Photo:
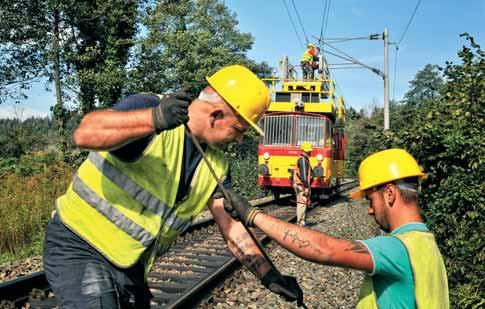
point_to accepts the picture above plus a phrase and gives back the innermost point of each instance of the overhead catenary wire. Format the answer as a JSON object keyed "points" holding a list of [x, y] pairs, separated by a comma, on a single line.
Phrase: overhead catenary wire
{"points": [[339, 40], [327, 18], [397, 48], [351, 59], [350, 67], [409, 23], [299, 19], [292, 23], [323, 17], [395, 74]]}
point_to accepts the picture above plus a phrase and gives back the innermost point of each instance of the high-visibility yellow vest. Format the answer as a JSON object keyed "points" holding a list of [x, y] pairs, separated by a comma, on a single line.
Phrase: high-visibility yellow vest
{"points": [[127, 209], [307, 56], [429, 273]]}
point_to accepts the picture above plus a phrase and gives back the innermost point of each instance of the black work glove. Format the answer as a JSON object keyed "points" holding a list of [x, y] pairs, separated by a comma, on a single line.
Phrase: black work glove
{"points": [[239, 208], [171, 112], [285, 286]]}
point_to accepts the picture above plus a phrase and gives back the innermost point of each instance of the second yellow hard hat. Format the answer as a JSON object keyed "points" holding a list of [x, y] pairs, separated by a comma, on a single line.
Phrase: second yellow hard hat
{"points": [[386, 166], [243, 91]]}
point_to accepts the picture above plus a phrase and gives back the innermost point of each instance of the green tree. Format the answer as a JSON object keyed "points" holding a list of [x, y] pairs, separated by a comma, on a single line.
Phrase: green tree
{"points": [[102, 35], [23, 41], [86, 43], [186, 41], [426, 86]]}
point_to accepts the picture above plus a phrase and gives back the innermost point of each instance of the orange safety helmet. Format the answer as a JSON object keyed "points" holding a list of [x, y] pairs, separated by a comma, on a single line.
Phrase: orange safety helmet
{"points": [[243, 91], [386, 166]]}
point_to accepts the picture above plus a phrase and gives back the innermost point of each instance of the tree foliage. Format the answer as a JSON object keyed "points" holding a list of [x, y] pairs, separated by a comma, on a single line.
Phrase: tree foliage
{"points": [[24, 40], [21, 137], [186, 41], [94, 43], [102, 33]]}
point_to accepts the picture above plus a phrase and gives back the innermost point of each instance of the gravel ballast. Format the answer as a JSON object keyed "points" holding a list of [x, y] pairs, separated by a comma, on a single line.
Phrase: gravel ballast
{"points": [[323, 286]]}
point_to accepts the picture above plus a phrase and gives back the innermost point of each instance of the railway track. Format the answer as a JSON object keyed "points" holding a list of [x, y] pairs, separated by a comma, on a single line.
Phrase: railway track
{"points": [[189, 270]]}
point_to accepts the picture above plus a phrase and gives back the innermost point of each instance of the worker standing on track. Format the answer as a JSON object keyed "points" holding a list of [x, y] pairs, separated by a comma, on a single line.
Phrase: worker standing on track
{"points": [[142, 185], [405, 268], [302, 178]]}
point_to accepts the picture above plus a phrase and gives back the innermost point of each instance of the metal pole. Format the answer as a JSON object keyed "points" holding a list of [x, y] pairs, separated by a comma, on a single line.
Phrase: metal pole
{"points": [[386, 80]]}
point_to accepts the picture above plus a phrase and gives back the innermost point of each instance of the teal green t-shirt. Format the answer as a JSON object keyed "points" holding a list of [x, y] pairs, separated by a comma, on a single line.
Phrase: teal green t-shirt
{"points": [[392, 276]]}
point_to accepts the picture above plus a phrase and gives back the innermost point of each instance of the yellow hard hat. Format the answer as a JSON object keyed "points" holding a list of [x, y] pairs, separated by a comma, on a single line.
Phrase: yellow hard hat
{"points": [[310, 45], [243, 91], [386, 166], [306, 147]]}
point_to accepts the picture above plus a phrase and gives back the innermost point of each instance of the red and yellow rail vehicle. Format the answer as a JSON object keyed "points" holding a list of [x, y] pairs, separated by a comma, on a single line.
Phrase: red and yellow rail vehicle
{"points": [[302, 111]]}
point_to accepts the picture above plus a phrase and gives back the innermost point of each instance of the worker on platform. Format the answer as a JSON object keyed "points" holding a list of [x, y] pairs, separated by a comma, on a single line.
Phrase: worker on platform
{"points": [[302, 178], [316, 61], [404, 269], [141, 186], [306, 61]]}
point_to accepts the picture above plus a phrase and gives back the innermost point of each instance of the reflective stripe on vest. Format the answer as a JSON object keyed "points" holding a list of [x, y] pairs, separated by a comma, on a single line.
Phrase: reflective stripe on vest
{"points": [[124, 208], [429, 273], [110, 212]]}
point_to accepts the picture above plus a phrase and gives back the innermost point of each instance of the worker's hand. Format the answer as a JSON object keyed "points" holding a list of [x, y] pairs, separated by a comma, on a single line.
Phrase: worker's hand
{"points": [[285, 286], [239, 208], [171, 112]]}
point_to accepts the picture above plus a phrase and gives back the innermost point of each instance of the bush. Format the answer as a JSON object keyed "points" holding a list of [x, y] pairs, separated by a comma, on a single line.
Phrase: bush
{"points": [[27, 201], [243, 159]]}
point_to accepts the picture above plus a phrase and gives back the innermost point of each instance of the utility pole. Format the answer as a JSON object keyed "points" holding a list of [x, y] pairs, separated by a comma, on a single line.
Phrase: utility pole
{"points": [[386, 79], [385, 75]]}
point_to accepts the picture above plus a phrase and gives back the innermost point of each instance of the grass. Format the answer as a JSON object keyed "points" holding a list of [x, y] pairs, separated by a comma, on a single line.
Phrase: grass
{"points": [[34, 247], [26, 203]]}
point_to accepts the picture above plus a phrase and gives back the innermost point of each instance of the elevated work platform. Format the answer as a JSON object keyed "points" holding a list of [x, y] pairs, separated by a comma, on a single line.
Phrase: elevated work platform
{"points": [[312, 96]]}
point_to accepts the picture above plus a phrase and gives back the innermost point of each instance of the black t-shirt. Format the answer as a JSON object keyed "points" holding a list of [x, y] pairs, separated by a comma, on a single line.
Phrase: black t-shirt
{"points": [[133, 150], [303, 163]]}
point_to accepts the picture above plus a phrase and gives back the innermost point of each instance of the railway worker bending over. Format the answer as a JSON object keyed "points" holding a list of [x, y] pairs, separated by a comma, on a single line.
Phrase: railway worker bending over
{"points": [[405, 268], [142, 185], [302, 178]]}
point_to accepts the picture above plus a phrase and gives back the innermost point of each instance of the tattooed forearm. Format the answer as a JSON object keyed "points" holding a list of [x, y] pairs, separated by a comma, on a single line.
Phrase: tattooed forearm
{"points": [[293, 236], [243, 249], [357, 247]]}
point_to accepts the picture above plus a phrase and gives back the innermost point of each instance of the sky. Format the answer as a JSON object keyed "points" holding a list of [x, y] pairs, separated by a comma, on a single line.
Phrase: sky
{"points": [[431, 38]]}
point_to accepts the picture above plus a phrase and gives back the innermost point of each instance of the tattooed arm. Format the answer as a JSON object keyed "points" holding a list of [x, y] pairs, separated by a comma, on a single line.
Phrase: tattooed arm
{"points": [[315, 246], [238, 240]]}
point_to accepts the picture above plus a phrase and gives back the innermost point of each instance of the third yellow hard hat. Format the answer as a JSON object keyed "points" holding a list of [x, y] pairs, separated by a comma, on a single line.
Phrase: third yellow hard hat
{"points": [[243, 91], [386, 166]]}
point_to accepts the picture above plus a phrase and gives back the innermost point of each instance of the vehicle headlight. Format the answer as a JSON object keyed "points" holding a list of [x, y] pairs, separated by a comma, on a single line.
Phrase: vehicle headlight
{"points": [[266, 156], [319, 157]]}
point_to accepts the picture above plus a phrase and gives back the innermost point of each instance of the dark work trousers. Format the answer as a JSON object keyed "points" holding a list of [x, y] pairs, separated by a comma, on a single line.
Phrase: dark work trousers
{"points": [[82, 278]]}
